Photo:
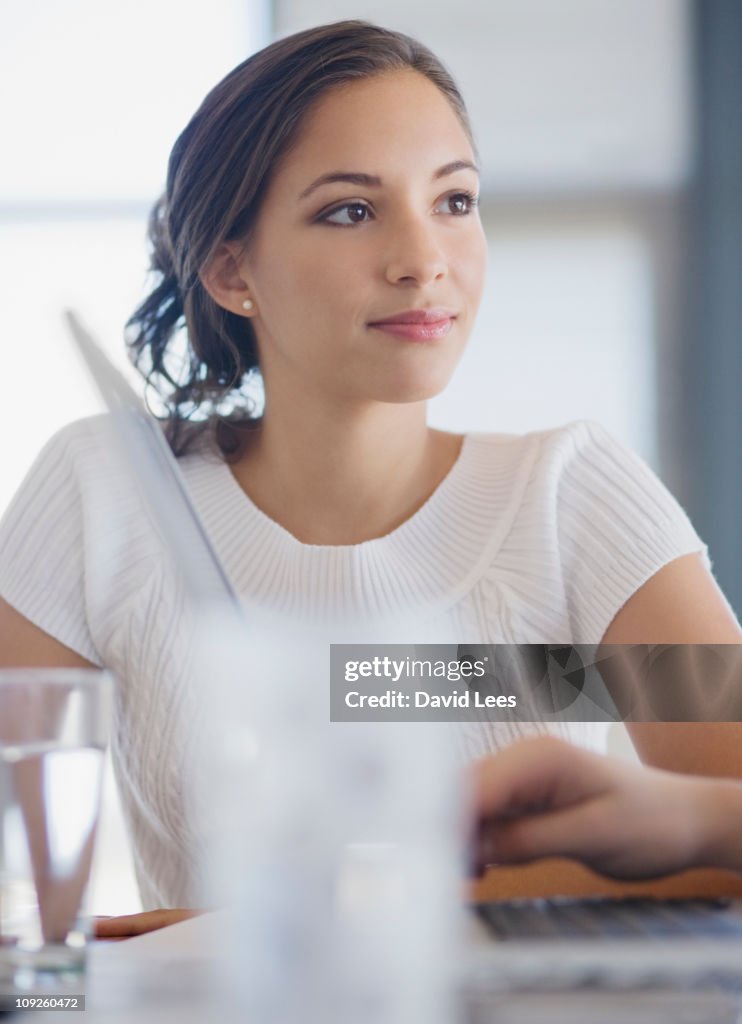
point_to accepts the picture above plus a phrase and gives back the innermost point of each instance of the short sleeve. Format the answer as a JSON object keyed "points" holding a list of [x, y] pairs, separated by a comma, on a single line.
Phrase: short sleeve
{"points": [[617, 526], [42, 558]]}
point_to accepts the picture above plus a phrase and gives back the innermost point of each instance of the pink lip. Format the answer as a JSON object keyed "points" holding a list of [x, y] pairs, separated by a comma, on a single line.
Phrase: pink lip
{"points": [[416, 332], [416, 316], [417, 324]]}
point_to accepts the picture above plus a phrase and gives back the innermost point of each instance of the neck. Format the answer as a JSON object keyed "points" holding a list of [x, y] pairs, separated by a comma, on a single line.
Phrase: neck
{"points": [[336, 477]]}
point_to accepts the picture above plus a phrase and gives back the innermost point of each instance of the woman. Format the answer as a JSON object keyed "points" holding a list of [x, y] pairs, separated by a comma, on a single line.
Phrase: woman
{"points": [[320, 223]]}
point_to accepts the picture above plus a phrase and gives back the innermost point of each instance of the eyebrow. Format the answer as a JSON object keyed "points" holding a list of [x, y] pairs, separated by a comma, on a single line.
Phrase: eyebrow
{"points": [[373, 181]]}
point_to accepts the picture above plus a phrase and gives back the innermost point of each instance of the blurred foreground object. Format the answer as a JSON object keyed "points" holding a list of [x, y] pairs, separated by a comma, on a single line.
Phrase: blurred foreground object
{"points": [[338, 847], [53, 729]]}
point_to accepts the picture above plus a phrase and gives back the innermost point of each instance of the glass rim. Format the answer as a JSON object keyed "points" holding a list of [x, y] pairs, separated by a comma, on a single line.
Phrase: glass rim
{"points": [[86, 677]]}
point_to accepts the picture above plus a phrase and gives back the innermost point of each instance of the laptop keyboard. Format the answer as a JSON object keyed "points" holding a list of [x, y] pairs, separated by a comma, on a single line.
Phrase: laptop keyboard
{"points": [[628, 918]]}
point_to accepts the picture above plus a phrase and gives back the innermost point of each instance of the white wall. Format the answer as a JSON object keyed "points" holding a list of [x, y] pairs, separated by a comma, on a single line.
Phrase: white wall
{"points": [[565, 332], [564, 94]]}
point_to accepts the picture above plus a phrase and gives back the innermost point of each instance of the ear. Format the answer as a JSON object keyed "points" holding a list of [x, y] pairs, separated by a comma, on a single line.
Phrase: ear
{"points": [[223, 277]]}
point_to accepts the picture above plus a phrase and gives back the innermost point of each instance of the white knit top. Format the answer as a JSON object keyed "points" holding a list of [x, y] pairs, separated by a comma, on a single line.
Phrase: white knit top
{"points": [[535, 538]]}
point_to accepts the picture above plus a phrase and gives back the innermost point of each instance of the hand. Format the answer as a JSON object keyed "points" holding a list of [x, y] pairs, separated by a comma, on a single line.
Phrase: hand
{"points": [[129, 925], [545, 798]]}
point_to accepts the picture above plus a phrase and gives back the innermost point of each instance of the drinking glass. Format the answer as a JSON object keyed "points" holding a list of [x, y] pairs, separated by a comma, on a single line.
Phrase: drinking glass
{"points": [[53, 731]]}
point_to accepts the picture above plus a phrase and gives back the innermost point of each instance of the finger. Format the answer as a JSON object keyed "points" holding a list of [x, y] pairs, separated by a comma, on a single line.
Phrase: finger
{"points": [[483, 856], [115, 927], [585, 832], [136, 924], [533, 774]]}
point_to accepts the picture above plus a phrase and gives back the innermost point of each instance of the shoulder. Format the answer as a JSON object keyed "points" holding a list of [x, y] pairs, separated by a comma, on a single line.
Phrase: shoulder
{"points": [[76, 449], [580, 446], [91, 444], [78, 471], [590, 494], [564, 437], [78, 445], [89, 430], [600, 483], [523, 475], [584, 522]]}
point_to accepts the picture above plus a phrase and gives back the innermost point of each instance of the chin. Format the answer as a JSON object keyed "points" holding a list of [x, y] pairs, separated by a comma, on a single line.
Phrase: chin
{"points": [[414, 388]]}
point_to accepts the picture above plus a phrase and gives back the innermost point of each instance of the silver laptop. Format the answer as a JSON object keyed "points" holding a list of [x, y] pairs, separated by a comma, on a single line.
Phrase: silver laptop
{"points": [[531, 945], [155, 471], [526, 945]]}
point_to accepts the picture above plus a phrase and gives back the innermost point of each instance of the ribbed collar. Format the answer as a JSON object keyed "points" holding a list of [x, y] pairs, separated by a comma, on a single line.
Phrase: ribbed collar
{"points": [[425, 564]]}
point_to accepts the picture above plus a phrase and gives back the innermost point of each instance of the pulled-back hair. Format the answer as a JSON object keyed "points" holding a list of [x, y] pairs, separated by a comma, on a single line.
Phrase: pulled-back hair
{"points": [[219, 171]]}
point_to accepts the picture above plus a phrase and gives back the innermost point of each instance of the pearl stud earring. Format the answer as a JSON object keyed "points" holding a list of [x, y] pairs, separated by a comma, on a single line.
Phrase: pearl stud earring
{"points": [[248, 304]]}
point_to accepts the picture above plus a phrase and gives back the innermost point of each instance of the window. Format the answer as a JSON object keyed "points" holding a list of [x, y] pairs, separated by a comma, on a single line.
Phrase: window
{"points": [[95, 97]]}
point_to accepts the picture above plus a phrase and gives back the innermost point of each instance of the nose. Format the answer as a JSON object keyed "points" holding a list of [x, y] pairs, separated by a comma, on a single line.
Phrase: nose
{"points": [[415, 255]]}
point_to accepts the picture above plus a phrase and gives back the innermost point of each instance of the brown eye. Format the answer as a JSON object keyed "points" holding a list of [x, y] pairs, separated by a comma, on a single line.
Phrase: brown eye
{"points": [[461, 203], [349, 213], [357, 212]]}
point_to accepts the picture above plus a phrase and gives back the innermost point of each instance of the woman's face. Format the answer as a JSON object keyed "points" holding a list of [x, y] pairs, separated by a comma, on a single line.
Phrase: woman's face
{"points": [[395, 231]]}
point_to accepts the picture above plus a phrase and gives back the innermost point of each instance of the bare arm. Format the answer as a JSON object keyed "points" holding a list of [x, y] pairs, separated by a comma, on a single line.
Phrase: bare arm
{"points": [[545, 798], [682, 604], [24, 645]]}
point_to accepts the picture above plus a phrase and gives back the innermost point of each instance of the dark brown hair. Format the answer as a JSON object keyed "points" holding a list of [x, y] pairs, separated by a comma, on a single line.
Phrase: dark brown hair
{"points": [[218, 173]]}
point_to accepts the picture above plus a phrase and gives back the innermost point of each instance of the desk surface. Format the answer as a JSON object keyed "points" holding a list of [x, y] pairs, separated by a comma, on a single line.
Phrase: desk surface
{"points": [[170, 976], [164, 978]]}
